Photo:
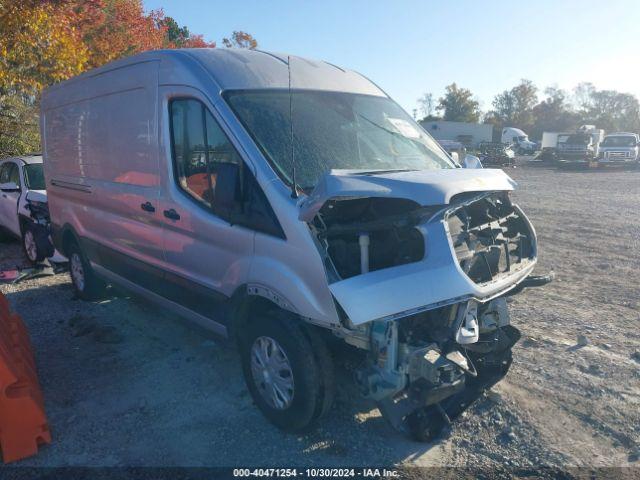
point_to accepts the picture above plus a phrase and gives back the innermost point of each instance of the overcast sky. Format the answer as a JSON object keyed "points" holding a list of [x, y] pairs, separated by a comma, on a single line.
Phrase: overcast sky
{"points": [[409, 47]]}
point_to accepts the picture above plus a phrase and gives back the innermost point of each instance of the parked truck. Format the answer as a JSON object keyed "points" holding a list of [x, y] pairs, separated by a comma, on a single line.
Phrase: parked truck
{"points": [[581, 147], [549, 146], [621, 148], [293, 206], [518, 140]]}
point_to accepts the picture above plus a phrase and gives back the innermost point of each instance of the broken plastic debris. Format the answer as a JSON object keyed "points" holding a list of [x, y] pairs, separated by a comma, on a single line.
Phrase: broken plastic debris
{"points": [[9, 275]]}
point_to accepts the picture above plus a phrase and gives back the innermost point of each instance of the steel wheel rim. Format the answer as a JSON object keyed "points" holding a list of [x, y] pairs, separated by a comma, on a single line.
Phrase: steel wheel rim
{"points": [[272, 372], [30, 246], [77, 272]]}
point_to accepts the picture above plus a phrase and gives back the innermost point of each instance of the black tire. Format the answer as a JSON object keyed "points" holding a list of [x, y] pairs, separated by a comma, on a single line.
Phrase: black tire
{"points": [[30, 245], [4, 235], [310, 364], [92, 287]]}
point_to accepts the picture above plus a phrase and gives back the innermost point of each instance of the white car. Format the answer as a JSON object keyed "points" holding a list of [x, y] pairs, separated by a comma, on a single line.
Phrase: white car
{"points": [[22, 188]]}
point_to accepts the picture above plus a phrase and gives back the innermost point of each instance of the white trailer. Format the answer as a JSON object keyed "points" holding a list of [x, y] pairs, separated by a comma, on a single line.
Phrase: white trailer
{"points": [[469, 134], [550, 139]]}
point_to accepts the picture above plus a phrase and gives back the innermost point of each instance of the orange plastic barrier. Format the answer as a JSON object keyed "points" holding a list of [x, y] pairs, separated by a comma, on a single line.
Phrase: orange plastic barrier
{"points": [[23, 423]]}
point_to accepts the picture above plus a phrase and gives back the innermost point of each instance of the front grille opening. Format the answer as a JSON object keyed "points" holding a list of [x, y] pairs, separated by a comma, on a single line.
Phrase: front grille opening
{"points": [[490, 238]]}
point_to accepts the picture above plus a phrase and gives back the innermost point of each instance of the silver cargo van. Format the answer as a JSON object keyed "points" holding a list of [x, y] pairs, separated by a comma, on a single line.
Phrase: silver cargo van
{"points": [[291, 205]]}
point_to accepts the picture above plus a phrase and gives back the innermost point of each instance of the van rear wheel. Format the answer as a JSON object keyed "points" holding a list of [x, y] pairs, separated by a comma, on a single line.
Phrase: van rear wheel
{"points": [[86, 283], [288, 371]]}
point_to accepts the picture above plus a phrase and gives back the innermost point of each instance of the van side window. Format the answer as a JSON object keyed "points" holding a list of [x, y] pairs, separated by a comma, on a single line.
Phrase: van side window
{"points": [[200, 147], [10, 173], [4, 172]]}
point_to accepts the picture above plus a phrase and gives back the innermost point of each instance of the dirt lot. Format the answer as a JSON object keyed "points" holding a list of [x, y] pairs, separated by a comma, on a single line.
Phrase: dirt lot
{"points": [[126, 384]]}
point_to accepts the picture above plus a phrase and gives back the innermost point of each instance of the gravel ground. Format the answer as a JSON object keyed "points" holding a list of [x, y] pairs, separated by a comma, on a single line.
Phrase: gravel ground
{"points": [[126, 384]]}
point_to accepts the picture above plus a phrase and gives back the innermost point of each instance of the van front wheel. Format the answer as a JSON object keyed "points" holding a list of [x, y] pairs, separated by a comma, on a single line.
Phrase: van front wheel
{"points": [[85, 282], [30, 245], [288, 371]]}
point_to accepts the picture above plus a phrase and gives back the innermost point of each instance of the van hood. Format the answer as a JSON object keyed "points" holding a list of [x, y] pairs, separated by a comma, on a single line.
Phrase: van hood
{"points": [[425, 187]]}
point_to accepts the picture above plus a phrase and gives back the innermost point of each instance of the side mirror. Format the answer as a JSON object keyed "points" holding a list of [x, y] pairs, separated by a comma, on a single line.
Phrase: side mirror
{"points": [[36, 197], [471, 161], [455, 156], [227, 197], [9, 187]]}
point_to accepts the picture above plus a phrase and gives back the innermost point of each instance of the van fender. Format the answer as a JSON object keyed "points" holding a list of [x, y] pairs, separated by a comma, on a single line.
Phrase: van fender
{"points": [[286, 288], [64, 236], [270, 294]]}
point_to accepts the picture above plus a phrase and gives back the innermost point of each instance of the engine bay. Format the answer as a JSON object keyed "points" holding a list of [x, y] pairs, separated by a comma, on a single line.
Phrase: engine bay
{"points": [[384, 226]]}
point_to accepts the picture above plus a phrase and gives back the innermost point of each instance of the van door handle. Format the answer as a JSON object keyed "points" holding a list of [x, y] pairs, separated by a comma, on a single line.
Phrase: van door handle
{"points": [[172, 214], [147, 207]]}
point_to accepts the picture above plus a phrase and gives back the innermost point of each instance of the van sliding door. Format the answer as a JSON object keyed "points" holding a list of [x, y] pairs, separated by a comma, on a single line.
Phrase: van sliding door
{"points": [[103, 148]]}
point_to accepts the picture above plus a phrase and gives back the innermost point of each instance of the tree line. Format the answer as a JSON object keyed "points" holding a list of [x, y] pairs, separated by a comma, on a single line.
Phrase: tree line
{"points": [[46, 41], [521, 107]]}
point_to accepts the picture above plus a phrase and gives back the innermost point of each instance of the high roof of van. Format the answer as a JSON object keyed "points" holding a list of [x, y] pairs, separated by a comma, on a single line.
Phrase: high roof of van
{"points": [[28, 158], [241, 69]]}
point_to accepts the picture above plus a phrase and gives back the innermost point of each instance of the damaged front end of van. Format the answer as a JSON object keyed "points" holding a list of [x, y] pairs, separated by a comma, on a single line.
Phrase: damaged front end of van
{"points": [[420, 264]]}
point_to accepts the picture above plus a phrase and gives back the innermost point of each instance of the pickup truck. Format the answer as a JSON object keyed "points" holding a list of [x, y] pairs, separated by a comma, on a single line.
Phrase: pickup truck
{"points": [[620, 148]]}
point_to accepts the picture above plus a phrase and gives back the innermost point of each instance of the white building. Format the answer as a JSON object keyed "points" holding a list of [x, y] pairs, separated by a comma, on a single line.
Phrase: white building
{"points": [[470, 134]]}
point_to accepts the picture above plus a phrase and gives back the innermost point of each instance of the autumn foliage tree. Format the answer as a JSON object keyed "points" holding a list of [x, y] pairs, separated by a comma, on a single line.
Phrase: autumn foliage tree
{"points": [[240, 40], [46, 41], [116, 28], [37, 47]]}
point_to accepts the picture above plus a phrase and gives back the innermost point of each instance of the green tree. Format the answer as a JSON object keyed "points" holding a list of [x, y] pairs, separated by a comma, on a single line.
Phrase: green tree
{"points": [[608, 109], [582, 94], [514, 107], [175, 34], [19, 131], [458, 105], [554, 113]]}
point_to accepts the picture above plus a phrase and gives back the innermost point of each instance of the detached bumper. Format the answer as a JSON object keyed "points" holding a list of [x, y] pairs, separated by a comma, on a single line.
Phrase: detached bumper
{"points": [[425, 409]]}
